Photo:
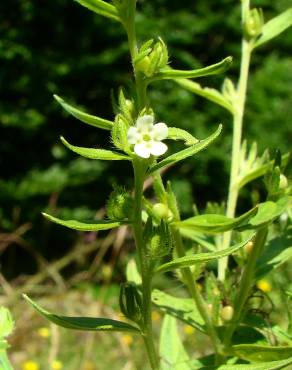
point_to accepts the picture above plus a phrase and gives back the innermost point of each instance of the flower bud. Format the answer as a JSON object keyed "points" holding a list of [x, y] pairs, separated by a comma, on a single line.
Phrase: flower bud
{"points": [[119, 205], [162, 212], [254, 23], [248, 247], [143, 65], [158, 239], [226, 313], [130, 302], [283, 182]]}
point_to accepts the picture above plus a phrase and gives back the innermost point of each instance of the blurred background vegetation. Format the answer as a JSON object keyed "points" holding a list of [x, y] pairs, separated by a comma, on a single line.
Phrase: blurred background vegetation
{"points": [[58, 47]]}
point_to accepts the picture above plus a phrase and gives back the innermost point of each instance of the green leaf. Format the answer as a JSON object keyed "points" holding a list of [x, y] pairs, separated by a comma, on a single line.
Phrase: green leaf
{"points": [[101, 8], [260, 171], [4, 361], [83, 323], [268, 212], [277, 252], [172, 353], [198, 237], [256, 353], [179, 156], [206, 92], [274, 365], [214, 223], [207, 71], [77, 225], [274, 27], [85, 117], [175, 133], [6, 323], [102, 154], [201, 257], [183, 309]]}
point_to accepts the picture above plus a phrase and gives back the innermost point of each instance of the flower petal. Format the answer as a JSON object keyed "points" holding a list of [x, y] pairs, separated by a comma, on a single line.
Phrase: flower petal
{"points": [[158, 148], [160, 131], [133, 135], [142, 150], [145, 122]]}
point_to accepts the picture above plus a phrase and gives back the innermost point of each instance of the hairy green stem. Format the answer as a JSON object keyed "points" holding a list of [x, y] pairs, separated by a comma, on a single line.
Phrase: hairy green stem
{"points": [[246, 283], [236, 148], [145, 268]]}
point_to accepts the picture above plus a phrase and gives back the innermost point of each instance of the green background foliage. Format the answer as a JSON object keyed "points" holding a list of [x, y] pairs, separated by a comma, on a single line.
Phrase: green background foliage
{"points": [[61, 48]]}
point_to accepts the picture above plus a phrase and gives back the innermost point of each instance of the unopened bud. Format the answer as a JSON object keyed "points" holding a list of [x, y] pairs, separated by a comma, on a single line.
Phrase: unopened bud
{"points": [[248, 247], [130, 302], [119, 205], [254, 23], [162, 212], [283, 183], [226, 313], [143, 65]]}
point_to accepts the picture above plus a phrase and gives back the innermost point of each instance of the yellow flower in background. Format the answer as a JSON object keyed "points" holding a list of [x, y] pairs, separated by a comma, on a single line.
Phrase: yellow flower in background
{"points": [[127, 339], [56, 365], [89, 365], [30, 365], [44, 332], [189, 330], [264, 286], [155, 316]]}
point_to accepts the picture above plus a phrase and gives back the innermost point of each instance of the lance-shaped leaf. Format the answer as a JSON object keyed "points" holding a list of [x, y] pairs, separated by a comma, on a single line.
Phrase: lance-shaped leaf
{"points": [[85, 117], [83, 323], [101, 7], [267, 213], [175, 133], [274, 27], [91, 153], [171, 349], [257, 353], [213, 69], [191, 260], [82, 226], [213, 223], [179, 156], [183, 309], [206, 92], [273, 365]]}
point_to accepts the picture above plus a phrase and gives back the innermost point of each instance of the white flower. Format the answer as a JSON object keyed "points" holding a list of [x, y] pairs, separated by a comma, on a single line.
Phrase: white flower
{"points": [[146, 137]]}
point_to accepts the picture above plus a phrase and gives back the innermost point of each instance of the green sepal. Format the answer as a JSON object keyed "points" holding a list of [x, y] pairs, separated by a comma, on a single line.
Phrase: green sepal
{"points": [[85, 117], [91, 153], [101, 8], [179, 156], [258, 353], [215, 223], [181, 308], [83, 323], [274, 27], [213, 69], [206, 92], [191, 260], [77, 225], [175, 133]]}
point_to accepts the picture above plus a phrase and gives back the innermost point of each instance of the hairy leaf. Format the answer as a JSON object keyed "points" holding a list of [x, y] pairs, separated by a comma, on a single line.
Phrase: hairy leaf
{"points": [[175, 133], [206, 92], [83, 323], [85, 117], [256, 353], [183, 309], [214, 223], [102, 154], [201, 257], [101, 8], [207, 71], [275, 26], [172, 353], [77, 225], [179, 156]]}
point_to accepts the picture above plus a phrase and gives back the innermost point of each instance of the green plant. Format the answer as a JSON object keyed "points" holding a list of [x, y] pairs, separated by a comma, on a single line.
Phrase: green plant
{"points": [[221, 312], [6, 327]]}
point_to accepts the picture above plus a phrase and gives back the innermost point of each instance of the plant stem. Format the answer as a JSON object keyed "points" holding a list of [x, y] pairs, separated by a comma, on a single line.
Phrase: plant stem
{"points": [[246, 283], [145, 268], [194, 292], [236, 148]]}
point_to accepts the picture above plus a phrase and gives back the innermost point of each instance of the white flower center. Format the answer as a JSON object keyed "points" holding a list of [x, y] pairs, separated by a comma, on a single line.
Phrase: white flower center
{"points": [[147, 136]]}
